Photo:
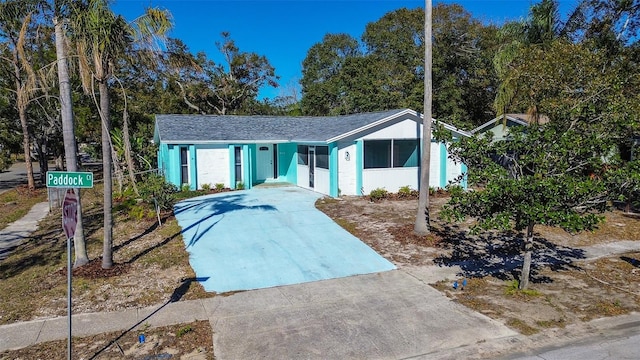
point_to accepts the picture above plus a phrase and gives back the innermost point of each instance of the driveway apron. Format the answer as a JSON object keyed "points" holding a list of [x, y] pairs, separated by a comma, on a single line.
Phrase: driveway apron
{"points": [[266, 237]]}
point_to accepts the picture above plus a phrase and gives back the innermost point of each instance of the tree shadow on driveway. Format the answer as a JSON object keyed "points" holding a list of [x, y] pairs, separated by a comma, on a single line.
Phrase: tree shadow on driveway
{"points": [[500, 254], [193, 213]]}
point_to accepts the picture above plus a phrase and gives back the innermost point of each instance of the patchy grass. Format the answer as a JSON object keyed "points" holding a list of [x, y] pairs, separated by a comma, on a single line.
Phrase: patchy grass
{"points": [[192, 341], [564, 288], [16, 203], [150, 266], [521, 327]]}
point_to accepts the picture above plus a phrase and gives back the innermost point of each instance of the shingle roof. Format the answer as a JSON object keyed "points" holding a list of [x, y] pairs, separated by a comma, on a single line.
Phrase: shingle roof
{"points": [[212, 128]]}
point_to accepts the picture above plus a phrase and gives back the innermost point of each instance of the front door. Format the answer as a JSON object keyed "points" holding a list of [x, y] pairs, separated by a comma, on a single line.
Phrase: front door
{"points": [[264, 162]]}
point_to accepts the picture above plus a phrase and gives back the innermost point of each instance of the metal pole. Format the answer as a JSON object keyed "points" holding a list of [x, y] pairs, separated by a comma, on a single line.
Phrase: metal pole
{"points": [[69, 297]]}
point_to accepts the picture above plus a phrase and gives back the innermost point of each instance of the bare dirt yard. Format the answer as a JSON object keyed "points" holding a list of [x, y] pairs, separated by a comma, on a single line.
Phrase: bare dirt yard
{"points": [[151, 267], [567, 287]]}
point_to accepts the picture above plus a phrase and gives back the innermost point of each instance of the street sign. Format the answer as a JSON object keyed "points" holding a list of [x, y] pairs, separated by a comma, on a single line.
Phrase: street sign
{"points": [[70, 213], [69, 179]]}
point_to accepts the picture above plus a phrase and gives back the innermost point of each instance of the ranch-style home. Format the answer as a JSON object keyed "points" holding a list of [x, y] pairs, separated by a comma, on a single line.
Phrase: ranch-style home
{"points": [[332, 155]]}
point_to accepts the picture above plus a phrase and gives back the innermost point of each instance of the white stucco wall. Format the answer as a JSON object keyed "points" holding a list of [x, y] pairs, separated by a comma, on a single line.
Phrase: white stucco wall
{"points": [[347, 169], [405, 129], [303, 176], [321, 183], [213, 165], [434, 169], [453, 170], [389, 179]]}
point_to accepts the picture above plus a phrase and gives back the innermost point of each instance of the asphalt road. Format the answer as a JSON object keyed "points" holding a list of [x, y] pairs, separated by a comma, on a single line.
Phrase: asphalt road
{"points": [[621, 345], [16, 176]]}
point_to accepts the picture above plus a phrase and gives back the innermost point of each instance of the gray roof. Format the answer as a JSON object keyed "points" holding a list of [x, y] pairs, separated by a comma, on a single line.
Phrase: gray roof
{"points": [[220, 128]]}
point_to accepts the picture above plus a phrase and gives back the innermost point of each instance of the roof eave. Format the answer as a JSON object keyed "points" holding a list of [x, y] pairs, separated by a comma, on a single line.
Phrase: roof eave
{"points": [[372, 125]]}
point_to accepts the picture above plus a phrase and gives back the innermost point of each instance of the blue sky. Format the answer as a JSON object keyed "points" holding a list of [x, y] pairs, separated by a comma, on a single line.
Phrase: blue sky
{"points": [[284, 30]]}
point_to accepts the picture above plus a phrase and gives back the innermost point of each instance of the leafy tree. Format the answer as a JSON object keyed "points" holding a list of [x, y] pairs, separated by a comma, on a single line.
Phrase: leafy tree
{"points": [[541, 29], [321, 69], [207, 87], [387, 71], [536, 178], [562, 173]]}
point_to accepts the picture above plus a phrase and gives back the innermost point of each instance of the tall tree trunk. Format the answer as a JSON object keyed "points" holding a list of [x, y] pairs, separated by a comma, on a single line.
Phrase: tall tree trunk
{"points": [[127, 151], [421, 226], [27, 148], [66, 112], [526, 263], [107, 165], [21, 104]]}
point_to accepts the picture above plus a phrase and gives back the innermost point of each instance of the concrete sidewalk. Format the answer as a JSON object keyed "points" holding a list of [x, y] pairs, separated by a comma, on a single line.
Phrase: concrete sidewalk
{"points": [[19, 231], [24, 334], [390, 315]]}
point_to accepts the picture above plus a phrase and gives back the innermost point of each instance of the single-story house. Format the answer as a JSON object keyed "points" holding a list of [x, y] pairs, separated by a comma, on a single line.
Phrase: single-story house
{"points": [[500, 125], [333, 155]]}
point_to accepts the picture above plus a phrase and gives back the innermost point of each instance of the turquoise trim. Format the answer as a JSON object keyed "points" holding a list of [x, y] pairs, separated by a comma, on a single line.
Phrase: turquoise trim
{"points": [[173, 165], [463, 169], [287, 161], [232, 166], [193, 168], [443, 165], [333, 170], [246, 166], [359, 166], [253, 151]]}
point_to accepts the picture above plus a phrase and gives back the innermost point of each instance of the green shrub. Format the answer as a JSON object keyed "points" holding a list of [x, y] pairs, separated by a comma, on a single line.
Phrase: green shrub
{"points": [[405, 192], [184, 330], [5, 160], [240, 185], [219, 186], [140, 211], [206, 187], [378, 194], [185, 187], [156, 188]]}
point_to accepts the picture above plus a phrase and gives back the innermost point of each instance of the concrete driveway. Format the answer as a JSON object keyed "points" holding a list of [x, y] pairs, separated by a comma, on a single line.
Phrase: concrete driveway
{"points": [[266, 237]]}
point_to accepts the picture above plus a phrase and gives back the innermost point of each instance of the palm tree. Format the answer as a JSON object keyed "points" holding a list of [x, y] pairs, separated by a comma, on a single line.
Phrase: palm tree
{"points": [[541, 28], [421, 226], [101, 40], [68, 127], [15, 21]]}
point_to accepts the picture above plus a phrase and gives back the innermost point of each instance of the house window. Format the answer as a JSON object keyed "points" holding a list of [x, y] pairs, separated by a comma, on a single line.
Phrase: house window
{"points": [[382, 154], [184, 166], [405, 153], [303, 155], [238, 162], [377, 154], [322, 157]]}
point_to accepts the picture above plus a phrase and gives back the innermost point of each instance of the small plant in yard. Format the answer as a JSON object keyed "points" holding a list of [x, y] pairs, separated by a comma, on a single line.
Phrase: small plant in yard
{"points": [[207, 187], [406, 192], [378, 194], [156, 189], [219, 186], [184, 330], [513, 289], [240, 185], [185, 187]]}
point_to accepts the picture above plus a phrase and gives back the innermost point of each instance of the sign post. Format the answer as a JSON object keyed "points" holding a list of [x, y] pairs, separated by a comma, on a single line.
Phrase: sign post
{"points": [[69, 221]]}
